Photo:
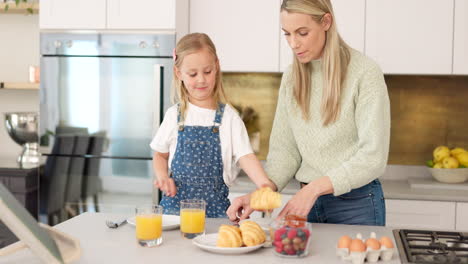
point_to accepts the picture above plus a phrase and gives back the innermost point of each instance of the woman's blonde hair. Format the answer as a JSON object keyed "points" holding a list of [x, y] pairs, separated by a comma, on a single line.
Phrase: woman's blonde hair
{"points": [[335, 60], [187, 45]]}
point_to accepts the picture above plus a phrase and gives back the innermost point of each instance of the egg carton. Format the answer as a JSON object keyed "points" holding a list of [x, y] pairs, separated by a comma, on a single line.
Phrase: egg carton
{"points": [[371, 255]]}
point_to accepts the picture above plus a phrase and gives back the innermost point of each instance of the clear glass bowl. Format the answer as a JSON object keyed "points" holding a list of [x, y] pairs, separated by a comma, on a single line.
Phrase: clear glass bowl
{"points": [[291, 238]]}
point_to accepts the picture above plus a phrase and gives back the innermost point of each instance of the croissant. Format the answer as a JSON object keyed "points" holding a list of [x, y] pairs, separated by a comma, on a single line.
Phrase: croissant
{"points": [[229, 236], [265, 199], [252, 233]]}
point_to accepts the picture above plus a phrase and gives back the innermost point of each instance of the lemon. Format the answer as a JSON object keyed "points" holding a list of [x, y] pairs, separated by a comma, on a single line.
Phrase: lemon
{"points": [[457, 151], [450, 163], [440, 153], [438, 165], [463, 158]]}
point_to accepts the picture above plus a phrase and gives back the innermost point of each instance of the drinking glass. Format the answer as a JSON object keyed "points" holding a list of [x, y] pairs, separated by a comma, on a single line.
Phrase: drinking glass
{"points": [[192, 217], [149, 225]]}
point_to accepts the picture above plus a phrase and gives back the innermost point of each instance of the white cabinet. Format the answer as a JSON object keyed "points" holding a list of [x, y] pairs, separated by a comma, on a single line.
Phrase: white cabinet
{"points": [[107, 14], [244, 32], [410, 37], [141, 14], [462, 217], [350, 20], [72, 14], [460, 36], [420, 214]]}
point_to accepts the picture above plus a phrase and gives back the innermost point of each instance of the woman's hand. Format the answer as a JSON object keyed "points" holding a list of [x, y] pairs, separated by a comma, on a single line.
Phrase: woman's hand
{"points": [[301, 204], [166, 185], [303, 201], [240, 208]]}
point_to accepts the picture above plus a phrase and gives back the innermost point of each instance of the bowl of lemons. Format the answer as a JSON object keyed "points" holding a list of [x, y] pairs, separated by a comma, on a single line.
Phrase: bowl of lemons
{"points": [[449, 165]]}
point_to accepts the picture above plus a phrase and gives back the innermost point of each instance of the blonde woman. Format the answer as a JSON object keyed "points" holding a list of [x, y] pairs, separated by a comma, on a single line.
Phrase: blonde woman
{"points": [[332, 124], [201, 139]]}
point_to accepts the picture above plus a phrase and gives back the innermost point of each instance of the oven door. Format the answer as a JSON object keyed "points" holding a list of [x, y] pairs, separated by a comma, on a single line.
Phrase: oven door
{"points": [[121, 97]]}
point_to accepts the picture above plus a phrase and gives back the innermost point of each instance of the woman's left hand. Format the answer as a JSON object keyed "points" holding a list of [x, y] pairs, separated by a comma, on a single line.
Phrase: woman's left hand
{"points": [[301, 203]]}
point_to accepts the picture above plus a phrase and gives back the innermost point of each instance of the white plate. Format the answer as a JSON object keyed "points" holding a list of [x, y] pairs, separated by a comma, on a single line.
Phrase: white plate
{"points": [[208, 243], [169, 222]]}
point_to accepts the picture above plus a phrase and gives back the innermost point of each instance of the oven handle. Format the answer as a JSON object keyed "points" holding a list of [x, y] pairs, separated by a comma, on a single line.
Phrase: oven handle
{"points": [[159, 98]]}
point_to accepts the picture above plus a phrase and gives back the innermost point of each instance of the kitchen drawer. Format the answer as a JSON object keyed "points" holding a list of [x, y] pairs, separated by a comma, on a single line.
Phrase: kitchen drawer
{"points": [[420, 214]]}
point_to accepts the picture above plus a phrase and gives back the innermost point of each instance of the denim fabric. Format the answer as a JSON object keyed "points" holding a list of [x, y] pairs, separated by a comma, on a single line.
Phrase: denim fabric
{"points": [[197, 168], [362, 206]]}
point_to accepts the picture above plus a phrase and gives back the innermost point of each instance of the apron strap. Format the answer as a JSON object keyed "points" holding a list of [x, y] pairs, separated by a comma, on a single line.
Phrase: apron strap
{"points": [[218, 117], [180, 119]]}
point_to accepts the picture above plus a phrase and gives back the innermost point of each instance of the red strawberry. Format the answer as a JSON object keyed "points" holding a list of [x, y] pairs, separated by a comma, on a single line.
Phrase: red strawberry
{"points": [[292, 233], [279, 233]]}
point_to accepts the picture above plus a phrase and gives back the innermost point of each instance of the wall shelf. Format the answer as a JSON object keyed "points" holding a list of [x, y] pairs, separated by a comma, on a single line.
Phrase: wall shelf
{"points": [[22, 8], [19, 85]]}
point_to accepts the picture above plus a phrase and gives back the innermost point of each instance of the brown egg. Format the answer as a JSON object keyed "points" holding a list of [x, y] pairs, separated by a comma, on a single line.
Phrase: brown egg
{"points": [[344, 242], [373, 243], [357, 246], [386, 241]]}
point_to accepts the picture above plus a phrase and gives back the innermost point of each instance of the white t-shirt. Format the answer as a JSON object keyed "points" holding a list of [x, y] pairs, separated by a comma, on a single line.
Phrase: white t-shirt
{"points": [[232, 133]]}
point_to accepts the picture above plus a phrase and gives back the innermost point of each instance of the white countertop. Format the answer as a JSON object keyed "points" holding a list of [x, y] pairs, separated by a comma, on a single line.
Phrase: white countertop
{"points": [[395, 184], [103, 245]]}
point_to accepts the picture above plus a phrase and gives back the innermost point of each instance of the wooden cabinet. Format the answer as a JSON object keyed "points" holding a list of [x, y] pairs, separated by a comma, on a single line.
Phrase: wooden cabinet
{"points": [[107, 14], [71, 14], [410, 37], [24, 185], [460, 38], [141, 14], [244, 32], [462, 217], [350, 20], [420, 214]]}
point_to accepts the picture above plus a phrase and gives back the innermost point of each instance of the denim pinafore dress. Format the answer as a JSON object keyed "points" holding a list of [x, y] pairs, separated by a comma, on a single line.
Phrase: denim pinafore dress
{"points": [[197, 168]]}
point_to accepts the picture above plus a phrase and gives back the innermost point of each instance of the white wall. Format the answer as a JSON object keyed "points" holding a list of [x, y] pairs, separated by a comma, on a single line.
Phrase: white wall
{"points": [[19, 48]]}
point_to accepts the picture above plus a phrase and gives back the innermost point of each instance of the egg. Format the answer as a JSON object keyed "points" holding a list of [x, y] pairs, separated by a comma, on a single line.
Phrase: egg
{"points": [[344, 242], [373, 243], [357, 246], [386, 241]]}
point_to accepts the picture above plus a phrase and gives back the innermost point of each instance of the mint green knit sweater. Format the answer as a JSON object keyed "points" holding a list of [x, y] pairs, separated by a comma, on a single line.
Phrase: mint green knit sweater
{"points": [[353, 151]]}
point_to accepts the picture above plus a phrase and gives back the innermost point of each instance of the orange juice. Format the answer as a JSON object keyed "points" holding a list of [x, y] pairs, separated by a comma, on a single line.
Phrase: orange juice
{"points": [[148, 226], [192, 221]]}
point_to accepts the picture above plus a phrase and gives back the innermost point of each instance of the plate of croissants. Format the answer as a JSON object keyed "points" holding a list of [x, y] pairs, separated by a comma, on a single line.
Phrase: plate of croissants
{"points": [[233, 240]]}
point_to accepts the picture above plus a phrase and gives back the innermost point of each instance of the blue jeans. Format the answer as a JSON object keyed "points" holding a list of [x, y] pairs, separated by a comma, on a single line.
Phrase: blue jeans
{"points": [[362, 206]]}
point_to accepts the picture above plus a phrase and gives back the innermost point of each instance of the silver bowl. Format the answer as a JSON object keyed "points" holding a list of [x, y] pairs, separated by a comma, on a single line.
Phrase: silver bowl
{"points": [[23, 129]]}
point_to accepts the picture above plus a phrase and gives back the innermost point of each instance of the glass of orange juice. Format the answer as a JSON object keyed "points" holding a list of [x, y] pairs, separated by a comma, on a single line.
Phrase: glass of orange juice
{"points": [[192, 217], [149, 225]]}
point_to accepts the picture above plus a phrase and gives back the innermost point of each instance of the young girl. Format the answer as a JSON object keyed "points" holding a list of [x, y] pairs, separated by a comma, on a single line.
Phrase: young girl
{"points": [[202, 138]]}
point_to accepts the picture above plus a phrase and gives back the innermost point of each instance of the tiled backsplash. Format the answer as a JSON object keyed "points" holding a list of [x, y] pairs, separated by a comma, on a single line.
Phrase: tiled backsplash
{"points": [[427, 111]]}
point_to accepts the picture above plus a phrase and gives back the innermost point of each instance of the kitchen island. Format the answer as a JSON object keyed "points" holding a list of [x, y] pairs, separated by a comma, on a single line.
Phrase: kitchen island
{"points": [[100, 244]]}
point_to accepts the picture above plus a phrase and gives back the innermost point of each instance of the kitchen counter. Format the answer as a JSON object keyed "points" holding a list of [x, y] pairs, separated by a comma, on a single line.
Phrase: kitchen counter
{"points": [[395, 183], [103, 245], [401, 189]]}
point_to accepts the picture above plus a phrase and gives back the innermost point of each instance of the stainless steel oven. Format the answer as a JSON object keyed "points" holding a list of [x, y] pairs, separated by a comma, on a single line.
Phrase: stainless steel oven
{"points": [[114, 84]]}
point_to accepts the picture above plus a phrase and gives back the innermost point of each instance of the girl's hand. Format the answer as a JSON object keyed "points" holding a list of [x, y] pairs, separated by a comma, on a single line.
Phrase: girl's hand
{"points": [[166, 185], [240, 208], [301, 204]]}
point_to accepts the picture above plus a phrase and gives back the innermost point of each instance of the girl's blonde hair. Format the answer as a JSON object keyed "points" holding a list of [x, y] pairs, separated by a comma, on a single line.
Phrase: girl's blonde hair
{"points": [[187, 45], [335, 60]]}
